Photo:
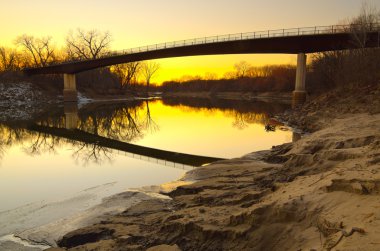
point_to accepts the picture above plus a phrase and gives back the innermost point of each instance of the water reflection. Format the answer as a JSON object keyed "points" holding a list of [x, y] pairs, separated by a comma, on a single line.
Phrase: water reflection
{"points": [[63, 150], [93, 146], [98, 128], [71, 115]]}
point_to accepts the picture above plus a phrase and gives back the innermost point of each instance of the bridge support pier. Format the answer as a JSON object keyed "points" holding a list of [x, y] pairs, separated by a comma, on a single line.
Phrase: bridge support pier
{"points": [[69, 88], [299, 94], [71, 115]]}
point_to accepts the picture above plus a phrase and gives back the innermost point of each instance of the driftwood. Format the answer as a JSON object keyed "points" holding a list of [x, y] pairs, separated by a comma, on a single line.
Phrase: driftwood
{"points": [[330, 231]]}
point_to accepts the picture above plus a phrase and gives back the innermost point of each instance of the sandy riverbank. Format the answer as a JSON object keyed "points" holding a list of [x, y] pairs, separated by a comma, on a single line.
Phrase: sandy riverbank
{"points": [[319, 193]]}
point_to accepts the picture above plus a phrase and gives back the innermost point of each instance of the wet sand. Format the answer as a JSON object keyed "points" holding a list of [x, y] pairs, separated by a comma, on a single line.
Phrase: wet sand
{"points": [[38, 226]]}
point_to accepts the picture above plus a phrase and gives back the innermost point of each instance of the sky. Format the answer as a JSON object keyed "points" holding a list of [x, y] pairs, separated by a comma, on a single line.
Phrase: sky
{"points": [[134, 23]]}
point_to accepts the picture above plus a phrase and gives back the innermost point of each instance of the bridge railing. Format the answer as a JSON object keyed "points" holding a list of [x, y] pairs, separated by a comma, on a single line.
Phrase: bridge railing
{"points": [[253, 35], [315, 30]]}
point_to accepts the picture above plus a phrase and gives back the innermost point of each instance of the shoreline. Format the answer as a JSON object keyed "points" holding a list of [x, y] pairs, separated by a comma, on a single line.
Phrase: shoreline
{"points": [[252, 196], [317, 193], [66, 215]]}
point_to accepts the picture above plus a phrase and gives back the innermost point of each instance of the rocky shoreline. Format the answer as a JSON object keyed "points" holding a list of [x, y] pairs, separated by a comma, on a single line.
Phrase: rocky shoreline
{"points": [[319, 193]]}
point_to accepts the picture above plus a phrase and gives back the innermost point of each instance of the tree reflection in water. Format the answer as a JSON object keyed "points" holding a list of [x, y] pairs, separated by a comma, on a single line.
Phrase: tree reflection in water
{"points": [[149, 124], [10, 135], [85, 153], [244, 112], [114, 121], [126, 122], [243, 120], [123, 122]]}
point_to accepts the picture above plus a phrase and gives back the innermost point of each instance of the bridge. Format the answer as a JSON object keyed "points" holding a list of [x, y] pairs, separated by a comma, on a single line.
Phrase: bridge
{"points": [[298, 41]]}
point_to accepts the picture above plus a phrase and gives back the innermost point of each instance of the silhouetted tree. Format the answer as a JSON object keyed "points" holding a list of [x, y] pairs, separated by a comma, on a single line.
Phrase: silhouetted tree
{"points": [[242, 69], [210, 76], [87, 44], [126, 73], [267, 78], [9, 59], [148, 70], [229, 75], [39, 49]]}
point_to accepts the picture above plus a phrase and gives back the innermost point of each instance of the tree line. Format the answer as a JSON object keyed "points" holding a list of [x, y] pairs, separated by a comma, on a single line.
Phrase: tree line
{"points": [[244, 78]]}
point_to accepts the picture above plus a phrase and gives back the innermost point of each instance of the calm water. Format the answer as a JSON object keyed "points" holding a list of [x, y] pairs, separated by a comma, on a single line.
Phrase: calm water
{"points": [[67, 150]]}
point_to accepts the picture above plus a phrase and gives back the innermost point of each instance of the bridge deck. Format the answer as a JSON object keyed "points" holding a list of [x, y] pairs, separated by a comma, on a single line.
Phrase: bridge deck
{"points": [[290, 41]]}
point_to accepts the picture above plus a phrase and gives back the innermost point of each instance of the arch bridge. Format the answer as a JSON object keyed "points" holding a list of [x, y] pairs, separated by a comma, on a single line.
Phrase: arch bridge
{"points": [[298, 41]]}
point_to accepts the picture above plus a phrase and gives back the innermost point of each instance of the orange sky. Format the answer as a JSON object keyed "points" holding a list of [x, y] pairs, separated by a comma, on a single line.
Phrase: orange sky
{"points": [[135, 23]]}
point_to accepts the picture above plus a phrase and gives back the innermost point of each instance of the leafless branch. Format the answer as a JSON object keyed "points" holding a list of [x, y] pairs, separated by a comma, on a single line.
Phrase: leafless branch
{"points": [[87, 44]]}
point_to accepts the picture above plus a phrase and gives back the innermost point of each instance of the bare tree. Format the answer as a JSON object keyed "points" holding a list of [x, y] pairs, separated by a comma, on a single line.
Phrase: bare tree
{"points": [[351, 68], [188, 78], [363, 64], [210, 76], [362, 24], [148, 70], [229, 75], [40, 49], [126, 73], [9, 59], [241, 69], [87, 44], [254, 72]]}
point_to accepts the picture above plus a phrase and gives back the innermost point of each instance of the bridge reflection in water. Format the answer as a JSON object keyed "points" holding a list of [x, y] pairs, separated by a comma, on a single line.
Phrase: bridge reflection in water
{"points": [[71, 115], [141, 152], [167, 158], [71, 132], [223, 128]]}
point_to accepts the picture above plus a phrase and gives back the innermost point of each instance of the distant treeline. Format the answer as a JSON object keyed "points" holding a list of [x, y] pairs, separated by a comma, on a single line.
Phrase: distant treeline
{"points": [[245, 78]]}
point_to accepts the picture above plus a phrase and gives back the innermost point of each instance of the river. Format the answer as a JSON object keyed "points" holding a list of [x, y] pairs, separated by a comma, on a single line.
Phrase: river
{"points": [[66, 159]]}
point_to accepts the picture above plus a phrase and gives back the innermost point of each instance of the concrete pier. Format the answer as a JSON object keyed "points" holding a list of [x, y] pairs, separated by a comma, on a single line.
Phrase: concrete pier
{"points": [[71, 115], [299, 94], [69, 88]]}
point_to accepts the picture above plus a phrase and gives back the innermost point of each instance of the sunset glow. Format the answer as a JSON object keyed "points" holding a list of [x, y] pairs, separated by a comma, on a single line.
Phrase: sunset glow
{"points": [[139, 23]]}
